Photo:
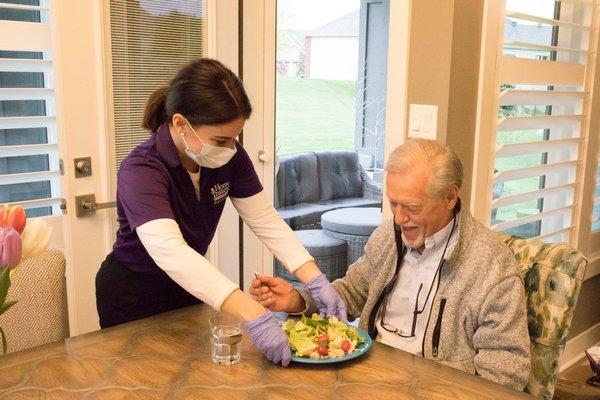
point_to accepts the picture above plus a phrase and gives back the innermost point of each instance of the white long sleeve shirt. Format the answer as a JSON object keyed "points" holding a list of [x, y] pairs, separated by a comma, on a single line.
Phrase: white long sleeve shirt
{"points": [[416, 269], [164, 242]]}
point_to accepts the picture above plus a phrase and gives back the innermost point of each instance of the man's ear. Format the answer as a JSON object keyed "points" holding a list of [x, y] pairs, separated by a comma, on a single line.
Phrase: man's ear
{"points": [[452, 197]]}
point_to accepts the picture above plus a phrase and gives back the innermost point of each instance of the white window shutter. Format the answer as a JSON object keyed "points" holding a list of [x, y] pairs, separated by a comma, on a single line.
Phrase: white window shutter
{"points": [[29, 161], [543, 72]]}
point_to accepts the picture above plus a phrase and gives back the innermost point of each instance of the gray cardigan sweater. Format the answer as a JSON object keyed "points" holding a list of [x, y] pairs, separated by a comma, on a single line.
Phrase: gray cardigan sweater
{"points": [[478, 320]]}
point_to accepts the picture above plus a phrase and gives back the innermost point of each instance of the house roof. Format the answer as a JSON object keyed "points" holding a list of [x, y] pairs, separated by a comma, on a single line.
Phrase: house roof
{"points": [[345, 26]]}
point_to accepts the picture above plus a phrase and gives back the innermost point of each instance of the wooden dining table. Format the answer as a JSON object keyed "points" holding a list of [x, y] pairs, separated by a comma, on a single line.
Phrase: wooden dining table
{"points": [[168, 356]]}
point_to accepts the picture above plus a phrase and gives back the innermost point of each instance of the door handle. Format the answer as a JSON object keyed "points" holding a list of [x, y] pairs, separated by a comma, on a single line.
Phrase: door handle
{"points": [[86, 205]]}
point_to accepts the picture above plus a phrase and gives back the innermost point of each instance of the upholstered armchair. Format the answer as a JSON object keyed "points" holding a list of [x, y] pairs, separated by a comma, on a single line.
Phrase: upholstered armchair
{"points": [[553, 274], [40, 315]]}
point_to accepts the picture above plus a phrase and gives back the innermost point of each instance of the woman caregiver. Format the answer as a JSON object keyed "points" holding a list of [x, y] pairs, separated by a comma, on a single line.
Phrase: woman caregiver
{"points": [[171, 192]]}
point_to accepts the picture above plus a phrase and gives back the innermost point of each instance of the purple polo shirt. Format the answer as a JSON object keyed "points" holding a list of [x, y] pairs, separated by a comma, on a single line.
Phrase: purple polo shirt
{"points": [[152, 184]]}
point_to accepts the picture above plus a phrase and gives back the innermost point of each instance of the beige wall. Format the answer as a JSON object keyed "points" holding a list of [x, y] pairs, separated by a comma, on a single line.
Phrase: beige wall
{"points": [[429, 58], [587, 312], [444, 71], [464, 76]]}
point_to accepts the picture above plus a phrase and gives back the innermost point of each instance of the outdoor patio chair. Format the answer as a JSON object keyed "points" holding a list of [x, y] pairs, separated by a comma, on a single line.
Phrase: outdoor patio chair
{"points": [[312, 183]]}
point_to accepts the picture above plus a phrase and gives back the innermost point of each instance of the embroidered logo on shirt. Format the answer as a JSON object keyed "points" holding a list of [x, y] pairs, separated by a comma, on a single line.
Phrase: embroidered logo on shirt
{"points": [[219, 192]]}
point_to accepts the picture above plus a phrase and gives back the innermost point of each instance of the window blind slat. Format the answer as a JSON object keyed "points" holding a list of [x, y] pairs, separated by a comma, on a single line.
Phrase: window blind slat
{"points": [[531, 218], [148, 47], [586, 2], [13, 6], [536, 46], [520, 173], [28, 177], [26, 122], [533, 195], [25, 36], [26, 94], [541, 72], [52, 201], [538, 122], [519, 149], [28, 150], [513, 97], [21, 65], [545, 21], [555, 233]]}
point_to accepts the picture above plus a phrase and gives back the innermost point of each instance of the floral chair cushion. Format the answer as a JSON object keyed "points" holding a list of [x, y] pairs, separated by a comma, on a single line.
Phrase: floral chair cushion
{"points": [[553, 274]]}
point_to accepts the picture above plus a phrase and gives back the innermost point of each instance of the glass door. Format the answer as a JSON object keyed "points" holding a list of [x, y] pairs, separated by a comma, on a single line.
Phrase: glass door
{"points": [[330, 103]]}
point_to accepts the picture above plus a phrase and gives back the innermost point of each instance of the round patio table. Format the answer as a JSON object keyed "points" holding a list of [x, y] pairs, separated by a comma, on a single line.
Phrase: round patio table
{"points": [[354, 225]]}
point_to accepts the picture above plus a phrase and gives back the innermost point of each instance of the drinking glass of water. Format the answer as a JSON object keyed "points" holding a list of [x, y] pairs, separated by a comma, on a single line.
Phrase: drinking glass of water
{"points": [[225, 339]]}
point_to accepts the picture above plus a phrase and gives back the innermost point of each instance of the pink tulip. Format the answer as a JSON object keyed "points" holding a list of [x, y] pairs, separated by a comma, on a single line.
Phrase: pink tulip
{"points": [[10, 248], [13, 217]]}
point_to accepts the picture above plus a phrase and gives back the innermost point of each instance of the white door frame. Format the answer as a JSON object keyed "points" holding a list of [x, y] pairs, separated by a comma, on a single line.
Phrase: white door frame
{"points": [[81, 116], [222, 44], [259, 33]]}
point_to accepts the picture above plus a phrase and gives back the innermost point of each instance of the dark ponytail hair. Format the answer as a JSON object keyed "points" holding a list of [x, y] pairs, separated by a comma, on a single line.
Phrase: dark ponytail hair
{"points": [[154, 113], [204, 91]]}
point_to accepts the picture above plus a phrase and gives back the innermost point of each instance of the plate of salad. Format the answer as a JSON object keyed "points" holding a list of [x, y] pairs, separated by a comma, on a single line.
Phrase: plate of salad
{"points": [[318, 340]]}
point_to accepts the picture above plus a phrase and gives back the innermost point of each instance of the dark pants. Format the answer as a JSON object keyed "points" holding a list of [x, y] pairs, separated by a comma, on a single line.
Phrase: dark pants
{"points": [[123, 295]]}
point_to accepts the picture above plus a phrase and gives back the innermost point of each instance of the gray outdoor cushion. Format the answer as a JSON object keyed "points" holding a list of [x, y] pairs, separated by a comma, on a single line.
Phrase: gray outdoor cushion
{"points": [[309, 214], [319, 244], [303, 214], [351, 202], [297, 179], [352, 221], [339, 174]]}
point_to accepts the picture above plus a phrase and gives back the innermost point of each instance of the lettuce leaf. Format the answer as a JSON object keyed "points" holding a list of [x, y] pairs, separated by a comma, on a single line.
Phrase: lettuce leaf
{"points": [[302, 343]]}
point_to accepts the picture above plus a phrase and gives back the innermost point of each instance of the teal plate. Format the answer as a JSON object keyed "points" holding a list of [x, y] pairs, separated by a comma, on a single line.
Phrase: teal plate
{"points": [[359, 351]]}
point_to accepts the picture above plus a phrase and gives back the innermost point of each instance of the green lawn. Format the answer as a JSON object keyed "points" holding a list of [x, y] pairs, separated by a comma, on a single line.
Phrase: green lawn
{"points": [[314, 114]]}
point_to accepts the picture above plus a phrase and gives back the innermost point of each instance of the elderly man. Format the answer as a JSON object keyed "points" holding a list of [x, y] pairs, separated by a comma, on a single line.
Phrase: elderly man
{"points": [[433, 281]]}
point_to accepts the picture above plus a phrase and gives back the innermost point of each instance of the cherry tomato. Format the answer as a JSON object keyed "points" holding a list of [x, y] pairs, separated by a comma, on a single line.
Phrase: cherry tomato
{"points": [[323, 339], [323, 351], [345, 346]]}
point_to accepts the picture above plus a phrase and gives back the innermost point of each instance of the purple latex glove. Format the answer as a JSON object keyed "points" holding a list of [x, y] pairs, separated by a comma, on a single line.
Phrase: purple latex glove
{"points": [[270, 339], [329, 302]]}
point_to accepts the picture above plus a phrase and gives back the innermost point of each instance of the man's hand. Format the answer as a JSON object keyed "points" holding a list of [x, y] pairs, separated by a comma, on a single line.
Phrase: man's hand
{"points": [[329, 302], [276, 294]]}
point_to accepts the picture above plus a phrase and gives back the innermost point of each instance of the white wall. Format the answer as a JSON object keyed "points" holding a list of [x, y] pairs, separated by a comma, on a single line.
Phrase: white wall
{"points": [[334, 58]]}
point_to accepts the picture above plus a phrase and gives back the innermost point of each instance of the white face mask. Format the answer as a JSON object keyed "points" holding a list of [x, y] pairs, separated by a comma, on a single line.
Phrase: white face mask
{"points": [[210, 156]]}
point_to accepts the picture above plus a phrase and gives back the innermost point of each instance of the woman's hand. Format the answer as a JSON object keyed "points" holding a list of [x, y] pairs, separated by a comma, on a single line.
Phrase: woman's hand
{"points": [[276, 294], [270, 339], [265, 332]]}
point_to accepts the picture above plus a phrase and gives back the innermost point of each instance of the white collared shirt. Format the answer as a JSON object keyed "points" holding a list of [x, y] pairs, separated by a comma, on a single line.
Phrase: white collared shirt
{"points": [[416, 269]]}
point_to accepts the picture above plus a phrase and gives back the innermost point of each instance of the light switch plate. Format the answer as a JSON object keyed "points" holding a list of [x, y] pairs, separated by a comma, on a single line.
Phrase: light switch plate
{"points": [[422, 122]]}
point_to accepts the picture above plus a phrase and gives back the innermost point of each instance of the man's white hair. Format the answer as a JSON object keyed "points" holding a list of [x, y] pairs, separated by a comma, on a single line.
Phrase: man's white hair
{"points": [[446, 168]]}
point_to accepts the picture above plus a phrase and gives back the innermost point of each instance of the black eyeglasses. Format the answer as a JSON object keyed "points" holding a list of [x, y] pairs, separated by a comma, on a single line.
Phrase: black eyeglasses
{"points": [[416, 312]]}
